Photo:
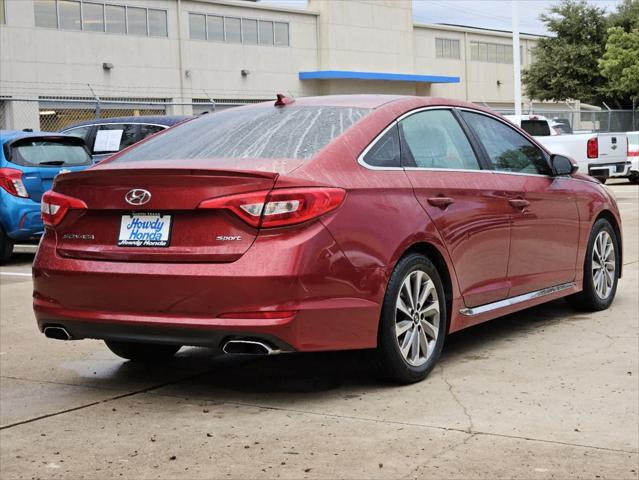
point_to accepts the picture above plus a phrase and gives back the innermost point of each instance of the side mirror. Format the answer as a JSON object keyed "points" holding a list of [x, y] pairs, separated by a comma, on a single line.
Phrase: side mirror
{"points": [[562, 165]]}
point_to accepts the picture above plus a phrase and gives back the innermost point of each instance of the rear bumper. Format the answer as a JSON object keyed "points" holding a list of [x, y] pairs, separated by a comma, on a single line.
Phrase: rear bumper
{"points": [[21, 218], [609, 170], [337, 306]]}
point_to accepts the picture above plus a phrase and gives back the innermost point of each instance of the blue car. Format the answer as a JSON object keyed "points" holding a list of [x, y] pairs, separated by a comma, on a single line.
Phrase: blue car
{"points": [[29, 161]]}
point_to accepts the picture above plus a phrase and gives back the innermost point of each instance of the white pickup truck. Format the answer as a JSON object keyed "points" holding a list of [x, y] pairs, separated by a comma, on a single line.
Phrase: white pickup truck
{"points": [[601, 155]]}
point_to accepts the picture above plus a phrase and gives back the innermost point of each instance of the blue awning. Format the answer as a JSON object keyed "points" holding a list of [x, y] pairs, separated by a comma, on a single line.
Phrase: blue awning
{"points": [[391, 77]]}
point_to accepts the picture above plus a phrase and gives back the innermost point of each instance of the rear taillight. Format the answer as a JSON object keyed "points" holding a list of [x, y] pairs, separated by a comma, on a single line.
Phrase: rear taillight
{"points": [[55, 206], [633, 151], [279, 208], [11, 181], [592, 148]]}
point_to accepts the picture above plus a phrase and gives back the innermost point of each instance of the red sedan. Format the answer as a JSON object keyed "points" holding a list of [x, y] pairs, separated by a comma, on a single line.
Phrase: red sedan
{"points": [[327, 223]]}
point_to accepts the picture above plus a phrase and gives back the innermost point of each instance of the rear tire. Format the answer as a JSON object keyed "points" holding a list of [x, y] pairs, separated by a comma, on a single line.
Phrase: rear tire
{"points": [[601, 269], [413, 322], [6, 246], [634, 178], [143, 352]]}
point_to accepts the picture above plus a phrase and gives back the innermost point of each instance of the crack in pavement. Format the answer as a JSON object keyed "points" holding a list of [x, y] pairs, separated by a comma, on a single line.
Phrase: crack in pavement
{"points": [[471, 426]]}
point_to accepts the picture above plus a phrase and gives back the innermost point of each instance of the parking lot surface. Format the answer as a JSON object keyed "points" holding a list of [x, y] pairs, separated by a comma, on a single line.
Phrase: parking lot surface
{"points": [[544, 393]]}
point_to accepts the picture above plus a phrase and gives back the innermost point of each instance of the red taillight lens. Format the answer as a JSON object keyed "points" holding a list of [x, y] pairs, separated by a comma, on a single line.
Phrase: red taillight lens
{"points": [[55, 206], [11, 181], [282, 207], [592, 148]]}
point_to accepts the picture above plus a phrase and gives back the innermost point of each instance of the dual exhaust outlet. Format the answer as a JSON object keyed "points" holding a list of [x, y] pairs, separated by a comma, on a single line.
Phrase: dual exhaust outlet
{"points": [[237, 347]]}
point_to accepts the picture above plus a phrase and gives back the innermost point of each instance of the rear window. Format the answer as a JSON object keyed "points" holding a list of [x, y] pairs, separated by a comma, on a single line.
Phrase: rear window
{"points": [[49, 153], [536, 128], [256, 132]]}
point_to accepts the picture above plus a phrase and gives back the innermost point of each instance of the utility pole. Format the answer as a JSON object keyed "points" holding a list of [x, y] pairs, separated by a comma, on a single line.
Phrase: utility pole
{"points": [[516, 59]]}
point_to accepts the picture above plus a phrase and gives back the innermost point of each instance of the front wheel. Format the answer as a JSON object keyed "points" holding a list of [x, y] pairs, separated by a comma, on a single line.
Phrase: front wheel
{"points": [[143, 352], [601, 269], [413, 322]]}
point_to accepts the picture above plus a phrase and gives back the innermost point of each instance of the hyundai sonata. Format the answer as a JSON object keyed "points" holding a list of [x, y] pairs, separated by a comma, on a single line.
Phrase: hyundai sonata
{"points": [[327, 223]]}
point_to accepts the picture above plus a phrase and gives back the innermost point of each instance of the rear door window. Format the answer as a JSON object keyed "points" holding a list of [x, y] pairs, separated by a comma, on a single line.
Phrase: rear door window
{"points": [[39, 152], [80, 132], [508, 150], [435, 139], [536, 128], [385, 152], [114, 137], [148, 130]]}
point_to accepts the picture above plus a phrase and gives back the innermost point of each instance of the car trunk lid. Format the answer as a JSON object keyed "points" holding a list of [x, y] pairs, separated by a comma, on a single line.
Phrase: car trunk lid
{"points": [[122, 224]]}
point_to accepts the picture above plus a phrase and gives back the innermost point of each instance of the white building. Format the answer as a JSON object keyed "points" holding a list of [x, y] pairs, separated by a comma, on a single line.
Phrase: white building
{"points": [[235, 51]]}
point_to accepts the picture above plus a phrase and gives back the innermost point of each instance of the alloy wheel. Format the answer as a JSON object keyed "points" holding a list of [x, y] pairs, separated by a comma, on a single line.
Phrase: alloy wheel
{"points": [[417, 318], [603, 264]]}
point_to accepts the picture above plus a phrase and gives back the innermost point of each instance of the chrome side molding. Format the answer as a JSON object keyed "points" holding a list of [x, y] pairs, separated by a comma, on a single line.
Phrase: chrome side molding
{"points": [[507, 302]]}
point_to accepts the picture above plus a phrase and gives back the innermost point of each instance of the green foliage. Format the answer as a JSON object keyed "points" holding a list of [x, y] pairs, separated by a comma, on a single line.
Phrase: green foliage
{"points": [[620, 65], [626, 16], [566, 65]]}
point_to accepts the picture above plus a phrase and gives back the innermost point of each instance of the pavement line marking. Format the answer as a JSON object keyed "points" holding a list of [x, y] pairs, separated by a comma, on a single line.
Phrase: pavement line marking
{"points": [[15, 274]]}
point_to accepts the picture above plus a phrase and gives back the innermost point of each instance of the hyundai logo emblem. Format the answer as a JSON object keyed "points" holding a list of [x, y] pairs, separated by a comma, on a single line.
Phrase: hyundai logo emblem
{"points": [[137, 196]]}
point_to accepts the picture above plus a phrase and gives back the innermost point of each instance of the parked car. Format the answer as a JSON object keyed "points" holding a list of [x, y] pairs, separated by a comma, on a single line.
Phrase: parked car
{"points": [[601, 155], [633, 156], [326, 223], [29, 161], [106, 136]]}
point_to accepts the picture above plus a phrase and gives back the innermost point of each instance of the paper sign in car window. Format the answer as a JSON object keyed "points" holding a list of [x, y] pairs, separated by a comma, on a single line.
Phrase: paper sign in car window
{"points": [[107, 140]]}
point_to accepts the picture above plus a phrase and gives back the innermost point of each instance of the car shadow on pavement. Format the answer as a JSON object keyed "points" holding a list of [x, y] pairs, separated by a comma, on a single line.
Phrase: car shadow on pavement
{"points": [[314, 373]]}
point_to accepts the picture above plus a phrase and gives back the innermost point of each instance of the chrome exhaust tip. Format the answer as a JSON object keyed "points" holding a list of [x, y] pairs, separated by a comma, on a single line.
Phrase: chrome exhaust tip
{"points": [[57, 333], [249, 347]]}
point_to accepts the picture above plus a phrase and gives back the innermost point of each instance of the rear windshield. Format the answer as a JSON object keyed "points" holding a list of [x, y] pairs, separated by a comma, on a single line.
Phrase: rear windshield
{"points": [[49, 153], [536, 128], [256, 132]]}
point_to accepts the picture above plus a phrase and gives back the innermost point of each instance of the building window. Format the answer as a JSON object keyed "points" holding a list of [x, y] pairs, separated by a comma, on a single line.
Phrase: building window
{"points": [[45, 13], [3, 15], [115, 19], [97, 16], [158, 23], [93, 17], [197, 26], [233, 29], [447, 48], [280, 33], [248, 31], [136, 21], [492, 52], [214, 28]]}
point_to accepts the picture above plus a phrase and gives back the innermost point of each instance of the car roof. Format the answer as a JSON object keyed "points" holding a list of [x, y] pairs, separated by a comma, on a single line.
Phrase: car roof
{"points": [[167, 120], [8, 135]]}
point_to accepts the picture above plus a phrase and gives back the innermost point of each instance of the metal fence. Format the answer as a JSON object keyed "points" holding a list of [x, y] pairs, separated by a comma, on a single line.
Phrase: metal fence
{"points": [[52, 114], [55, 113], [589, 120]]}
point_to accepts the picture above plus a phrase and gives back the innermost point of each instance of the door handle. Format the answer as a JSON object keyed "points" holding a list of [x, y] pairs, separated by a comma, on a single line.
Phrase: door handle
{"points": [[519, 203], [441, 202]]}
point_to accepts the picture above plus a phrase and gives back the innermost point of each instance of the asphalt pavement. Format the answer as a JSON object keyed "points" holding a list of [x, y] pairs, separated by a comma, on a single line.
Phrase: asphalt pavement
{"points": [[544, 393]]}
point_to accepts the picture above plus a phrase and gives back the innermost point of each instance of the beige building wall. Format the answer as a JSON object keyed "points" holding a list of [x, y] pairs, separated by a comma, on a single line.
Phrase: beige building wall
{"points": [[351, 35]]}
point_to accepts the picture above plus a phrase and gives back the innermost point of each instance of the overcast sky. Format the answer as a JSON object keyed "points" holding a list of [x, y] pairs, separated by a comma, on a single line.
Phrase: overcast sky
{"points": [[477, 13]]}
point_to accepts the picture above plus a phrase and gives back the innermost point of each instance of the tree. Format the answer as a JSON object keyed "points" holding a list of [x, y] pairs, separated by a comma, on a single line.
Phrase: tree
{"points": [[620, 66], [626, 16], [566, 65]]}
